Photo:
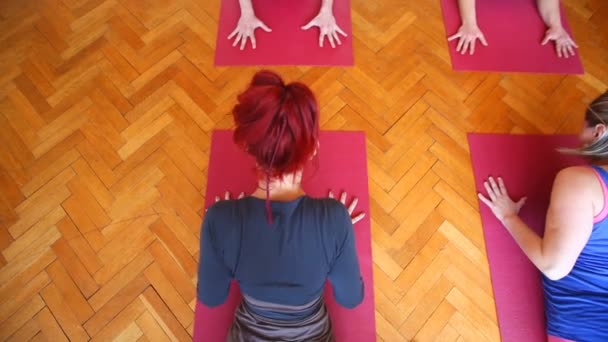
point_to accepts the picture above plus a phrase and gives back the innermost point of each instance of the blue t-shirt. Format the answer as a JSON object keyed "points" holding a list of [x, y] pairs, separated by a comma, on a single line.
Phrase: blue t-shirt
{"points": [[576, 306], [288, 262]]}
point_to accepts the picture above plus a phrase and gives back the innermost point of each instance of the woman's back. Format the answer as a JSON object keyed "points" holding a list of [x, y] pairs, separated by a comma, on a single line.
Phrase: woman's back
{"points": [[288, 262]]}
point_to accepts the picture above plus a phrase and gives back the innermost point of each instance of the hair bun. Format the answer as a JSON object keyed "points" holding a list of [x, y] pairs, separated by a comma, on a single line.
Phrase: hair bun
{"points": [[277, 123], [267, 78]]}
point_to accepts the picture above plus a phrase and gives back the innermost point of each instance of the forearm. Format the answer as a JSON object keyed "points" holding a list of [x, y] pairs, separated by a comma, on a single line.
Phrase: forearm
{"points": [[529, 242], [550, 12], [468, 14], [327, 5], [246, 6]]}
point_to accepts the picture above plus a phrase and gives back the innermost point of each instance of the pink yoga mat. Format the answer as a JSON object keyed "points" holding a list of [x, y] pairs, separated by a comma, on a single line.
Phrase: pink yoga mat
{"points": [[287, 44], [528, 164], [342, 165], [514, 31]]}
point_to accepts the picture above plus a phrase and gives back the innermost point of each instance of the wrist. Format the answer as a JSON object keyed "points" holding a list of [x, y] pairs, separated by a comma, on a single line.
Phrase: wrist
{"points": [[470, 24], [555, 24], [326, 6], [508, 220], [469, 19], [247, 12], [325, 9], [246, 8]]}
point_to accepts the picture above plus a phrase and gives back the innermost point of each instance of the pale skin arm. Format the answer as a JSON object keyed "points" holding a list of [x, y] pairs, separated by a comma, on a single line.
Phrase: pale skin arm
{"points": [[550, 12], [246, 26], [467, 12], [568, 226], [327, 25], [469, 32]]}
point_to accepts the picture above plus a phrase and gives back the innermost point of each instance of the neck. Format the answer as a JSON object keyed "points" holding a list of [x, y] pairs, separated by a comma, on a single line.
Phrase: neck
{"points": [[286, 188]]}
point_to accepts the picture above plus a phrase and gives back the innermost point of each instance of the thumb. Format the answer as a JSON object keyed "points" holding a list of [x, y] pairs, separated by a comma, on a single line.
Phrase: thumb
{"points": [[264, 27], [454, 36], [309, 25], [521, 202], [483, 40], [548, 37]]}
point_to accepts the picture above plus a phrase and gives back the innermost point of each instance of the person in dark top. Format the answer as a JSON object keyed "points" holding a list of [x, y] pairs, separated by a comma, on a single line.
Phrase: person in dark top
{"points": [[279, 244], [573, 253]]}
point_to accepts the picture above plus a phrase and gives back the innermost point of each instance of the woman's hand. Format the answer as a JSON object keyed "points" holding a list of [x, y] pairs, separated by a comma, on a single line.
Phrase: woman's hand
{"points": [[327, 27], [227, 196], [245, 29], [564, 45], [467, 35], [350, 208], [499, 201]]}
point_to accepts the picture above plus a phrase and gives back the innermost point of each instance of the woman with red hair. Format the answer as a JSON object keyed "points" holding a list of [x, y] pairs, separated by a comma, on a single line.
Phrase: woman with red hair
{"points": [[278, 243]]}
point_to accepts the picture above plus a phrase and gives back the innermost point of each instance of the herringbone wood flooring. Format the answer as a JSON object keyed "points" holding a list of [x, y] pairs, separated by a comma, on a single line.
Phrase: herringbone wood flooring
{"points": [[106, 110]]}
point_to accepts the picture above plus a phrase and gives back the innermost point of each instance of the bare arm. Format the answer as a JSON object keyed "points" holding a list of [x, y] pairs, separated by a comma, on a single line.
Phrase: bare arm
{"points": [[468, 14], [246, 6], [569, 222], [550, 12], [568, 226], [327, 5]]}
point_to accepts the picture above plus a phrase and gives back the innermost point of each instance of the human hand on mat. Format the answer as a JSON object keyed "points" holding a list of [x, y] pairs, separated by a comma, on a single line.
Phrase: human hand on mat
{"points": [[327, 27], [499, 201], [564, 45], [245, 29], [227, 196], [351, 207], [467, 35]]}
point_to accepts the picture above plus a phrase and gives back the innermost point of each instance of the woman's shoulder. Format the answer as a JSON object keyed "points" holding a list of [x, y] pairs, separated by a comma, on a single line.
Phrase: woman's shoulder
{"points": [[577, 169], [221, 219], [225, 211], [221, 208], [578, 173], [326, 204], [576, 181], [330, 211]]}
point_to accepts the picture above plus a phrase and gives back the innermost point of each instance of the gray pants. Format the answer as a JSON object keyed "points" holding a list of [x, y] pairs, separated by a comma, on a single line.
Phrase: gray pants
{"points": [[249, 327]]}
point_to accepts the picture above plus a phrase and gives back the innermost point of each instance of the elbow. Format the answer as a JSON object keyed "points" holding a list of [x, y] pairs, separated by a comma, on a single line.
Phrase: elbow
{"points": [[350, 304], [211, 302], [353, 299], [211, 299]]}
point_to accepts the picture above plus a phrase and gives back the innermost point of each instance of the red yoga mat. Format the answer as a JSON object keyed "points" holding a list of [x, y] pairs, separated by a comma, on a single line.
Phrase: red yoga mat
{"points": [[342, 165], [287, 44], [514, 31], [528, 164]]}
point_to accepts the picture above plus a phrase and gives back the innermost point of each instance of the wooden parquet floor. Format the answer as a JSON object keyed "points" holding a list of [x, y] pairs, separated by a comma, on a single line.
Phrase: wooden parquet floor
{"points": [[106, 108]]}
